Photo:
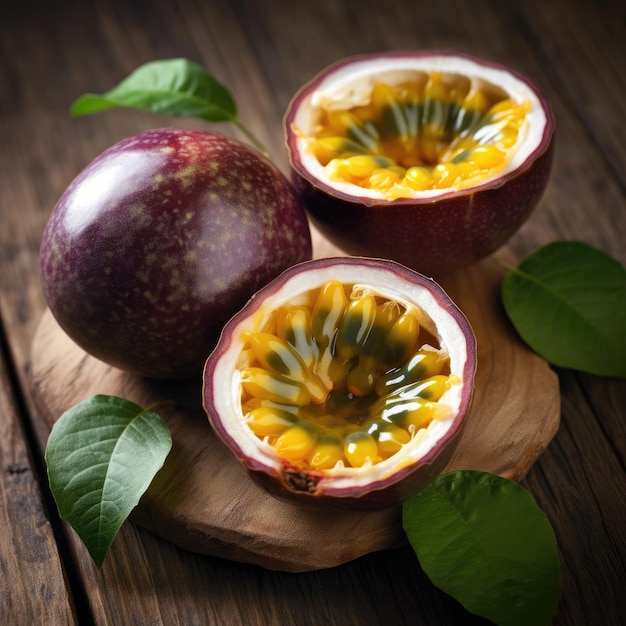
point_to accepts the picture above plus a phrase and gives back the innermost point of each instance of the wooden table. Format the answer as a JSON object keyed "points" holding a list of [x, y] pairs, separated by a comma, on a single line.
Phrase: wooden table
{"points": [[263, 51]]}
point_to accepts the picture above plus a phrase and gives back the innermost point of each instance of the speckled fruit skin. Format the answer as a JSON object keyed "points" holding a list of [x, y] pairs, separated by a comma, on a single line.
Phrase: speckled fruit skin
{"points": [[309, 488], [434, 236], [160, 240]]}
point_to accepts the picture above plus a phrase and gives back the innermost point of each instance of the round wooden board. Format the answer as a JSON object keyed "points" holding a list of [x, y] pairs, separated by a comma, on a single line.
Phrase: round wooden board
{"points": [[202, 499]]}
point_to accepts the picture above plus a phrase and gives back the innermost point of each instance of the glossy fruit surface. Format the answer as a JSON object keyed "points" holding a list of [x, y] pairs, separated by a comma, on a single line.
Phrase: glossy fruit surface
{"points": [[433, 159], [344, 381], [160, 240]]}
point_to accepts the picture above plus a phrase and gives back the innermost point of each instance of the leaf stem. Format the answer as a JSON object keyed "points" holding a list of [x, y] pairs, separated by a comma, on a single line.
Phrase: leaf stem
{"points": [[506, 266], [157, 405], [253, 139]]}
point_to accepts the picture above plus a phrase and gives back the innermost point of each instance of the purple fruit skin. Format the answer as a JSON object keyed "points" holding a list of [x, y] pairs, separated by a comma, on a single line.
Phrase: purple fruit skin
{"points": [[435, 236], [160, 240]]}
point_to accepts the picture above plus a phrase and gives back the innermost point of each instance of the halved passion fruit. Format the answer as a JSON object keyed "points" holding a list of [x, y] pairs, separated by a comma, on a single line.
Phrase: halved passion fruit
{"points": [[343, 381], [433, 159]]}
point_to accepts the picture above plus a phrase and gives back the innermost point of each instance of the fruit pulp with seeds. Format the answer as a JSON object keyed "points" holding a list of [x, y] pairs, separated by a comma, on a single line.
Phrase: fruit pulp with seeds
{"points": [[343, 379], [435, 131]]}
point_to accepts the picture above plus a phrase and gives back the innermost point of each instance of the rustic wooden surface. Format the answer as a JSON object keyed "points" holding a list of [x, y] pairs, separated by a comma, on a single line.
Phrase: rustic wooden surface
{"points": [[204, 501], [52, 52]]}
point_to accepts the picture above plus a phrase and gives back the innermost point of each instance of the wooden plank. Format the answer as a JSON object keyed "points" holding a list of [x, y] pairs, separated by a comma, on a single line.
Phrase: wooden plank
{"points": [[32, 584], [585, 51], [581, 481]]}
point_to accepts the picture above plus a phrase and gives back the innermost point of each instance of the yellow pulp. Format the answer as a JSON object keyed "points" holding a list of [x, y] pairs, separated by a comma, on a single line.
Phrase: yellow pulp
{"points": [[440, 131], [346, 379]]}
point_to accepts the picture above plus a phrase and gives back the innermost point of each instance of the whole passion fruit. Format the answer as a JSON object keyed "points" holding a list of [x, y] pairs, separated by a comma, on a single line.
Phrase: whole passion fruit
{"points": [[160, 240], [344, 381], [433, 159]]}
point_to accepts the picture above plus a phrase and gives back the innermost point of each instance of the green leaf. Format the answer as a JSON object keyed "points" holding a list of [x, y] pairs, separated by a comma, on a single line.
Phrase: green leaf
{"points": [[567, 301], [174, 87], [102, 455], [483, 540]]}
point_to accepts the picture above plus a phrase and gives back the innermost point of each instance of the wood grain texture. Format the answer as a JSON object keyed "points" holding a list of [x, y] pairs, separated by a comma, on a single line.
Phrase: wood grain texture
{"points": [[32, 584], [204, 501]]}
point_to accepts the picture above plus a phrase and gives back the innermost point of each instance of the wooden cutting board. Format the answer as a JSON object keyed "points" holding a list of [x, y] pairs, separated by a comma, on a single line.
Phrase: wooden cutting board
{"points": [[203, 501]]}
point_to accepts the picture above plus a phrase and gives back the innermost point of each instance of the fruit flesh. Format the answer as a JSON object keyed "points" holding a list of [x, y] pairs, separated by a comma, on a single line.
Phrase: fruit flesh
{"points": [[435, 131], [293, 296], [344, 379]]}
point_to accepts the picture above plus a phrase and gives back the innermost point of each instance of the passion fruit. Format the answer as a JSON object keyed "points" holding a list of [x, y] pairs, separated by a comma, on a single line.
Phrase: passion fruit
{"points": [[160, 240], [434, 159], [344, 381]]}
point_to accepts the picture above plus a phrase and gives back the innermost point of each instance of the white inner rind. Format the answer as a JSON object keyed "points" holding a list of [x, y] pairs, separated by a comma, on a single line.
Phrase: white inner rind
{"points": [[451, 337], [351, 85]]}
